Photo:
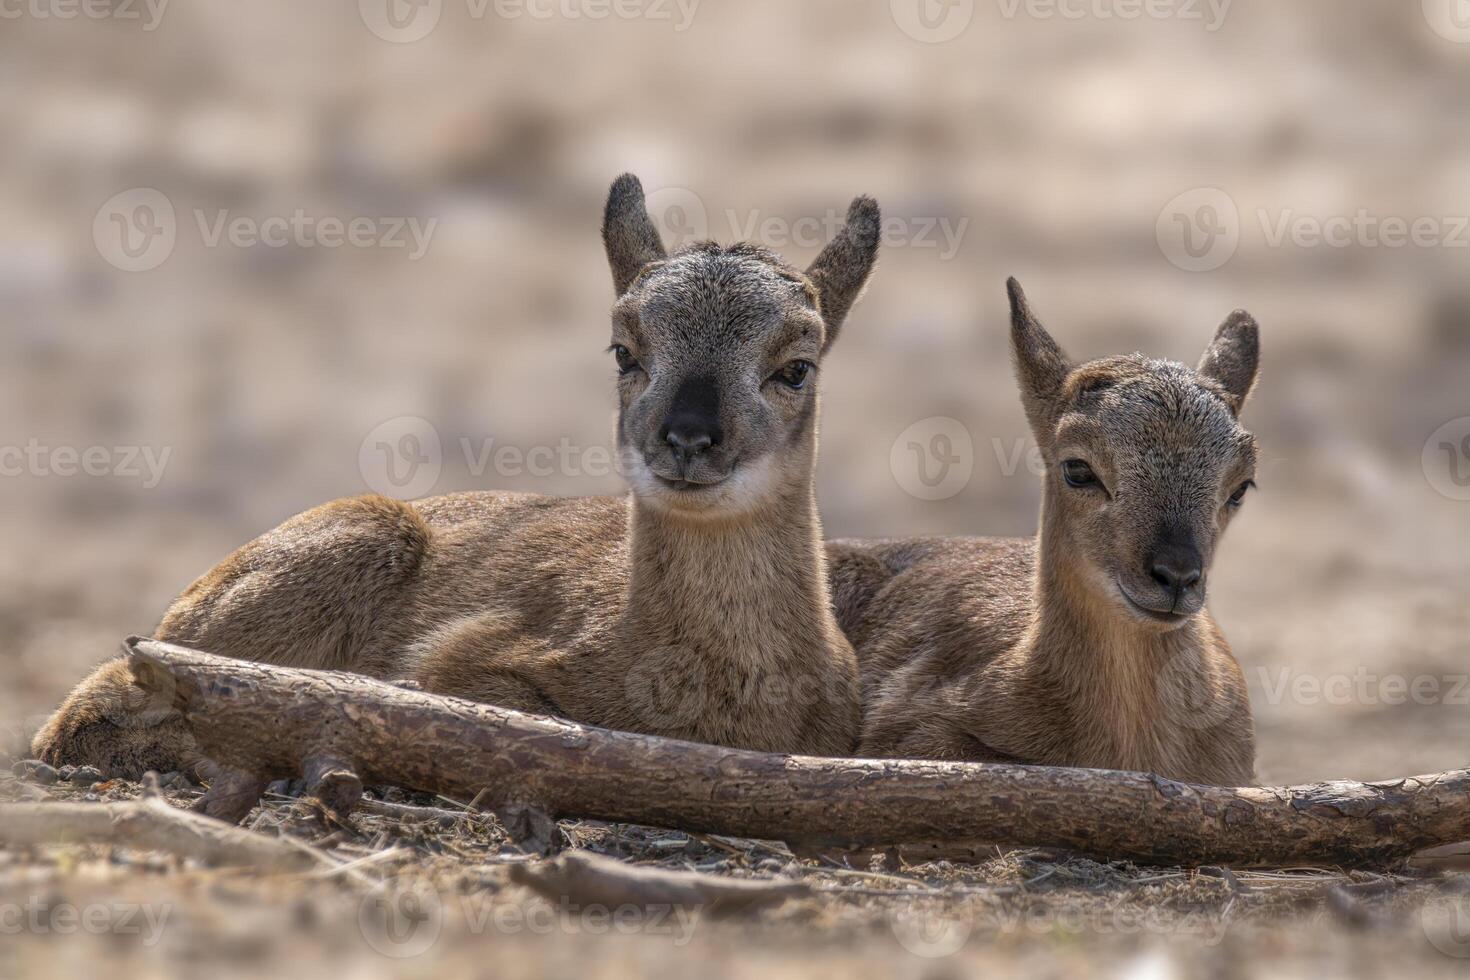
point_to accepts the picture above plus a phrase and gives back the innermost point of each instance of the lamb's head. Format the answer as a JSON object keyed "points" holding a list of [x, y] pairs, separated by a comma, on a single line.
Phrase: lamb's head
{"points": [[718, 352], [1146, 462]]}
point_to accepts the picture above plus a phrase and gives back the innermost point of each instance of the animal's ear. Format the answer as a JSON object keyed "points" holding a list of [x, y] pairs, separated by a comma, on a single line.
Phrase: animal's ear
{"points": [[628, 232], [843, 267], [1041, 367], [1234, 358]]}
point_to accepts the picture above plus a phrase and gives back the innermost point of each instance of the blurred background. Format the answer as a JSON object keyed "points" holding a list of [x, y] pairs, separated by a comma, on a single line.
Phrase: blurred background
{"points": [[256, 256]]}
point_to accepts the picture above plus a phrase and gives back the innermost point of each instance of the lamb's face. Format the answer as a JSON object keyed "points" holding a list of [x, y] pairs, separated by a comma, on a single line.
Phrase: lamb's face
{"points": [[718, 349], [717, 352], [1146, 461]]}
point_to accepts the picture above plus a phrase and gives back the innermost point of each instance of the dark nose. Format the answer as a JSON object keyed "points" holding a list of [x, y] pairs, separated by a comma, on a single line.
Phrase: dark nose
{"points": [[1177, 567], [693, 423], [689, 437]]}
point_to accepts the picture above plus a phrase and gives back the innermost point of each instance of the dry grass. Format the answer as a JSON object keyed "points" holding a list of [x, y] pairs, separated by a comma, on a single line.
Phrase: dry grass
{"points": [[442, 869]]}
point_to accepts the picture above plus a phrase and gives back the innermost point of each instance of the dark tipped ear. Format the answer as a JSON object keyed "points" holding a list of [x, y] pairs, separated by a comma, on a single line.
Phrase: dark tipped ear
{"points": [[1041, 367], [628, 232], [1234, 358], [841, 271]]}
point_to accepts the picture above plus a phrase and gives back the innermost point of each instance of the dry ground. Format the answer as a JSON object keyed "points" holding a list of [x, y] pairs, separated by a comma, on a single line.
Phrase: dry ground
{"points": [[428, 888]]}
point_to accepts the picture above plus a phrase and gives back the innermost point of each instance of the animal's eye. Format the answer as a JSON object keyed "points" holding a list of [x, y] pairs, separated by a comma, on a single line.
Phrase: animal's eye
{"points": [[626, 361], [1078, 474], [1240, 492], [794, 375]]}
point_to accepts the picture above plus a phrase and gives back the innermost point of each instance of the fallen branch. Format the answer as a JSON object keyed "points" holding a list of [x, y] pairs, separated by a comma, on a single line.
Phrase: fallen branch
{"points": [[148, 825], [586, 879], [264, 722]]}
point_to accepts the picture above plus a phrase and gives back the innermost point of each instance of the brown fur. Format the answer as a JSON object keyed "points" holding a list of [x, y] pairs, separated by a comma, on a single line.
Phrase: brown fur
{"points": [[1034, 651], [697, 608]]}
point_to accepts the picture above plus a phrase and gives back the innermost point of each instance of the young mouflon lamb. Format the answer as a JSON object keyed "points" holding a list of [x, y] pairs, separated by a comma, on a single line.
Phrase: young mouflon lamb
{"points": [[697, 607], [1089, 645]]}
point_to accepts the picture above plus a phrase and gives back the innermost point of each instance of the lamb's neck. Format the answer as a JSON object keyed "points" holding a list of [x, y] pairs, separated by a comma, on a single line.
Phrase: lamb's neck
{"points": [[1107, 668], [751, 586]]}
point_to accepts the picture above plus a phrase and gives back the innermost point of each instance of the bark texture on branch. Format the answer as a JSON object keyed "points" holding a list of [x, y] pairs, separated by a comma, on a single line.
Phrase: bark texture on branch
{"points": [[272, 722]]}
